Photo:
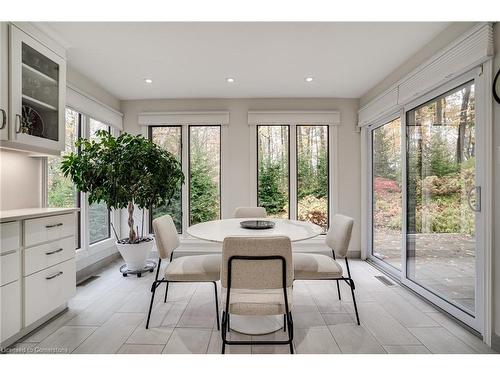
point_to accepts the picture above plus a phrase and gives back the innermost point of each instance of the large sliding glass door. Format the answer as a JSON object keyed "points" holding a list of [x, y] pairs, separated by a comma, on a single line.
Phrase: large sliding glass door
{"points": [[442, 197], [425, 217], [386, 197]]}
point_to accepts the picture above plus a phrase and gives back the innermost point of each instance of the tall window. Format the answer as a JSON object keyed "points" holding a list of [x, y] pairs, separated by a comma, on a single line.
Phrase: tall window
{"points": [[169, 138], [273, 166], [60, 190], [201, 197], [387, 193], [204, 173], [99, 215], [441, 195], [312, 174]]}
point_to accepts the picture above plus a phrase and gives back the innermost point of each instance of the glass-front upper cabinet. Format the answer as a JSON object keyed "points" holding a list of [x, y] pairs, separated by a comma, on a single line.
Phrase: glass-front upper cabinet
{"points": [[37, 93]]}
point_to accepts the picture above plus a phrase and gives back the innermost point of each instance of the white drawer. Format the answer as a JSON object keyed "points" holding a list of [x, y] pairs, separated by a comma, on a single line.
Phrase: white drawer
{"points": [[9, 267], [10, 306], [43, 256], [48, 229], [46, 290], [9, 236]]}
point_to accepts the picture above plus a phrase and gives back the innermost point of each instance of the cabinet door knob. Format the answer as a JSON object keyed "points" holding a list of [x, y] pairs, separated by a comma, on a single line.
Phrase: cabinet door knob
{"points": [[18, 123], [4, 118]]}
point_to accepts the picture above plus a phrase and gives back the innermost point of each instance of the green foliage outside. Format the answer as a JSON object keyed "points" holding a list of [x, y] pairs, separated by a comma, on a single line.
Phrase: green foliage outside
{"points": [[203, 188]]}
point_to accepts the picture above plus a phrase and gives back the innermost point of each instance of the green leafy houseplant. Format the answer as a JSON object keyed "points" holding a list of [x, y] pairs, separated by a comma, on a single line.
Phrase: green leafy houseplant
{"points": [[124, 172]]}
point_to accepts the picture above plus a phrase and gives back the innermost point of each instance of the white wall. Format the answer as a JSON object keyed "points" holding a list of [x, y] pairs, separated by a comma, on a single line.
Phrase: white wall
{"points": [[20, 180], [237, 176]]}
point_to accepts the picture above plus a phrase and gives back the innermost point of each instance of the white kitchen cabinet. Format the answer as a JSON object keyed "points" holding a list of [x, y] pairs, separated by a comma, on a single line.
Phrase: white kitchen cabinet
{"points": [[10, 306], [37, 93], [48, 229], [48, 289], [4, 84], [37, 268]]}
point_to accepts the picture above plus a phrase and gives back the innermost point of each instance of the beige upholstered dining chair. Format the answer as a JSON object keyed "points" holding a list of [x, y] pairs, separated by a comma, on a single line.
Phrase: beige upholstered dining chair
{"points": [[249, 212], [257, 279], [321, 267], [196, 268]]}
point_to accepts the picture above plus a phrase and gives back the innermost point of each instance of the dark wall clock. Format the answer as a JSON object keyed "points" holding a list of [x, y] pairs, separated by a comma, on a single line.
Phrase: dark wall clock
{"points": [[496, 87]]}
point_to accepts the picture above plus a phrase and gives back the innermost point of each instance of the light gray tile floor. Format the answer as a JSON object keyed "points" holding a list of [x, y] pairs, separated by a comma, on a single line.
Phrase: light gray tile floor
{"points": [[108, 315]]}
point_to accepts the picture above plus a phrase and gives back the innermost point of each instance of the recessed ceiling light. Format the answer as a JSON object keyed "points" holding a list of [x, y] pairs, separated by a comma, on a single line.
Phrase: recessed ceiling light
{"points": [[309, 79], [148, 80], [230, 80]]}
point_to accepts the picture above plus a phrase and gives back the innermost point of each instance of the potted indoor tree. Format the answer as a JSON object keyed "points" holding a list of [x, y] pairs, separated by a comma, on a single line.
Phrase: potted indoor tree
{"points": [[125, 172]]}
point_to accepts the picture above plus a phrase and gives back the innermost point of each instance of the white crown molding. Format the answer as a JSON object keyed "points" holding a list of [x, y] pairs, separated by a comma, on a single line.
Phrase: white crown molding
{"points": [[45, 35], [293, 117], [184, 118]]}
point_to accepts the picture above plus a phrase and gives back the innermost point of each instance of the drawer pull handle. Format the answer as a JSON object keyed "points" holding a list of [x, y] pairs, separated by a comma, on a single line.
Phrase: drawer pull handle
{"points": [[8, 252], [54, 252], [54, 225], [54, 276]]}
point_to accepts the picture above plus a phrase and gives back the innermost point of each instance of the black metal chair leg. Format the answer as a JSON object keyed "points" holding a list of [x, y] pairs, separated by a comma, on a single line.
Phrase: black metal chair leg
{"points": [[351, 284], [228, 320], [338, 290], [166, 292], [151, 304], [216, 306], [284, 323]]}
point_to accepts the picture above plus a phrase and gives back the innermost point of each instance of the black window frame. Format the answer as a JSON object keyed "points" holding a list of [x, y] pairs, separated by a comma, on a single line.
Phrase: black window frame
{"points": [[288, 161], [189, 168], [150, 137], [327, 169]]}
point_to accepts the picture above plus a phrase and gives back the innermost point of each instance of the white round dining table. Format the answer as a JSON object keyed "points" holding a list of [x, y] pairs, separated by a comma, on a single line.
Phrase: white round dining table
{"points": [[217, 230]]}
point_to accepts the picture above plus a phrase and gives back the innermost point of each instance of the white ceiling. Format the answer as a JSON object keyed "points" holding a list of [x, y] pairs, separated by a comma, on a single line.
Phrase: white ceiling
{"points": [[192, 60]]}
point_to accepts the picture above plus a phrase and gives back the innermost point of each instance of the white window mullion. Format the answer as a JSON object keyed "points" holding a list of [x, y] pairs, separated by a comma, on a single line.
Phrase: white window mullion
{"points": [[185, 170], [293, 171]]}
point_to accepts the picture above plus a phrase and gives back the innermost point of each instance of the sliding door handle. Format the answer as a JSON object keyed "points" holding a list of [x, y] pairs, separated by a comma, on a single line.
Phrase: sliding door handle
{"points": [[4, 118], [477, 206]]}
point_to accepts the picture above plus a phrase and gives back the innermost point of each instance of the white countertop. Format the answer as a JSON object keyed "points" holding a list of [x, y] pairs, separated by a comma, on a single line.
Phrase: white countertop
{"points": [[216, 231], [28, 213]]}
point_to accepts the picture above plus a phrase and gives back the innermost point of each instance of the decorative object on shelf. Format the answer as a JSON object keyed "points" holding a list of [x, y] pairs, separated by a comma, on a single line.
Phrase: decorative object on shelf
{"points": [[125, 172], [32, 122], [257, 224], [496, 87]]}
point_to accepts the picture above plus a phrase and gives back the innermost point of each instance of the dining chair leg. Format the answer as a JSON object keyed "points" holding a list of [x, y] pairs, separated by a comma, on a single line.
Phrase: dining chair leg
{"points": [[290, 331], [166, 292], [351, 284], [153, 290], [223, 332], [216, 305], [338, 290], [284, 322]]}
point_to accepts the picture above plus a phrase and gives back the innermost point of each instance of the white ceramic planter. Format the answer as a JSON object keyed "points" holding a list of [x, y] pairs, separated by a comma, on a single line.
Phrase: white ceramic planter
{"points": [[135, 255]]}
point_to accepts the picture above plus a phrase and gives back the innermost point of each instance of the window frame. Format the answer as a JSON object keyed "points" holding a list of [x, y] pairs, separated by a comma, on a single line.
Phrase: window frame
{"points": [[45, 181], [189, 169], [150, 211], [85, 247], [185, 140], [333, 158], [385, 120], [327, 169], [289, 162]]}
